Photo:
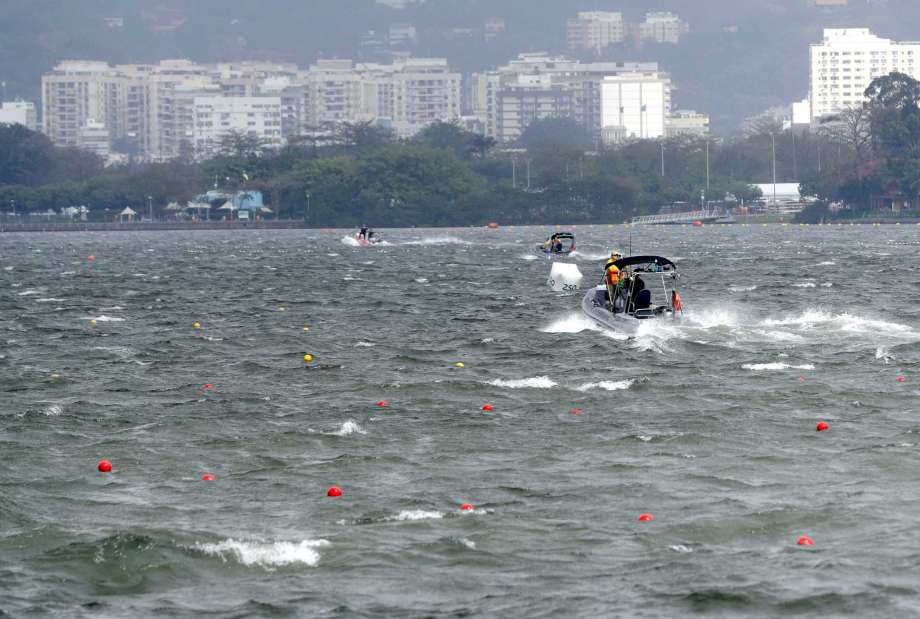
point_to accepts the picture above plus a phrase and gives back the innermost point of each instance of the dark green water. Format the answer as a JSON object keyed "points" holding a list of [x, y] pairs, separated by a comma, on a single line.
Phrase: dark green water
{"points": [[708, 424]]}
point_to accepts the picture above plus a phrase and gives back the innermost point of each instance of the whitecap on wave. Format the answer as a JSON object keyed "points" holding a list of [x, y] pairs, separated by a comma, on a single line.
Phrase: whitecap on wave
{"points": [[538, 382], [742, 288], [104, 318], [415, 514], [607, 385], [572, 323], [843, 322], [348, 428], [529, 257], [438, 240], [805, 285], [350, 241], [765, 367], [268, 555], [365, 345]]}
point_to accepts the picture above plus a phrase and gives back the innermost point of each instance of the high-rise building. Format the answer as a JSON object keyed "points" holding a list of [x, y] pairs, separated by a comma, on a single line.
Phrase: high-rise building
{"points": [[686, 122], [569, 88], [152, 108], [95, 138], [19, 113], [595, 30], [847, 61], [634, 106], [663, 28], [217, 117]]}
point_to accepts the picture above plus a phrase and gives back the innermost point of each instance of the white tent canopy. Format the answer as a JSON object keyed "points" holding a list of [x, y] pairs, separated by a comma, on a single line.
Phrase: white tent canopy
{"points": [[130, 212], [227, 206]]}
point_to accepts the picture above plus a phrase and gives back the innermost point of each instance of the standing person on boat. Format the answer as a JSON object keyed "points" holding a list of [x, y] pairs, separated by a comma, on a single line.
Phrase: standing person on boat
{"points": [[363, 233], [612, 278]]}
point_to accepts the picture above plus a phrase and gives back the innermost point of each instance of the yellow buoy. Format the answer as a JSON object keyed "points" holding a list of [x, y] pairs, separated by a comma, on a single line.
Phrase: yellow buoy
{"points": [[197, 325], [308, 358], [93, 322], [281, 308], [306, 328], [460, 364]]}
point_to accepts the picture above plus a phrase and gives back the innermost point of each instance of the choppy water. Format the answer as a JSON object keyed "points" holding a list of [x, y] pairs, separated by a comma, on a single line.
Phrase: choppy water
{"points": [[708, 425]]}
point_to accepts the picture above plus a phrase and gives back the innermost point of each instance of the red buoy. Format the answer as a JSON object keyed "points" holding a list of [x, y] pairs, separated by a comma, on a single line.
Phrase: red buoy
{"points": [[805, 541], [646, 517], [822, 426], [104, 466], [91, 258], [576, 411], [334, 491], [487, 407], [901, 379], [208, 477], [207, 386], [467, 507], [382, 403]]}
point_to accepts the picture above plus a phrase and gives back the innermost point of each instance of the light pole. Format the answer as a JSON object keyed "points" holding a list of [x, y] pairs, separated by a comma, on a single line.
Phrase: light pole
{"points": [[513, 173], [150, 208], [306, 212], [662, 159]]}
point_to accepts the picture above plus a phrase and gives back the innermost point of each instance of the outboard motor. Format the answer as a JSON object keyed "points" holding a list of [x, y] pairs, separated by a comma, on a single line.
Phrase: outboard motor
{"points": [[564, 277]]}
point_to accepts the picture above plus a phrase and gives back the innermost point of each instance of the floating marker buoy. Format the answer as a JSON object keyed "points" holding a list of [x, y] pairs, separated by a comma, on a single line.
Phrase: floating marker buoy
{"points": [[697, 224], [334, 491], [91, 258], [197, 325], [460, 364], [104, 466], [487, 407], [467, 507], [93, 322], [801, 379], [822, 426], [382, 403], [805, 541], [308, 358], [207, 386], [493, 225], [576, 411], [646, 517], [281, 308], [208, 477], [306, 328], [55, 376], [901, 379]]}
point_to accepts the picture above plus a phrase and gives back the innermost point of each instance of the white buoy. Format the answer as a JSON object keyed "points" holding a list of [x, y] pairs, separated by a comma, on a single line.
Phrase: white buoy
{"points": [[564, 277]]}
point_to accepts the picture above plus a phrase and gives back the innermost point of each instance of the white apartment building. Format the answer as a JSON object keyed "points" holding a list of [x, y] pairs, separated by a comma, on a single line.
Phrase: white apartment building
{"points": [[19, 113], [548, 76], [845, 63], [95, 138], [634, 106], [153, 106], [216, 117], [686, 122], [663, 28], [595, 30]]}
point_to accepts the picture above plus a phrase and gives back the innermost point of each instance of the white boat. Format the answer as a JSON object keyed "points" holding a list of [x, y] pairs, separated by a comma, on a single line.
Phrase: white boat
{"points": [[647, 291]]}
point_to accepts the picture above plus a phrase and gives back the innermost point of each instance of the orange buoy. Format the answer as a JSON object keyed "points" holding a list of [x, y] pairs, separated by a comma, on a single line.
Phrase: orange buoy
{"points": [[493, 225]]}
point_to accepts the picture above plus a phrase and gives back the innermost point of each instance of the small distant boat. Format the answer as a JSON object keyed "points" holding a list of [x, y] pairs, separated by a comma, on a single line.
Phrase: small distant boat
{"points": [[635, 300], [366, 237], [559, 244]]}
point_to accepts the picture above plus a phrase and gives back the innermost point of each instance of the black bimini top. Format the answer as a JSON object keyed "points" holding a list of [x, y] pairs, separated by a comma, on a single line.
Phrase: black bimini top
{"points": [[663, 263], [563, 235]]}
